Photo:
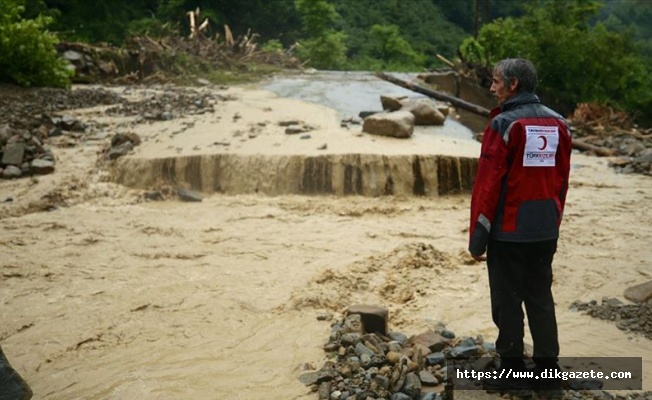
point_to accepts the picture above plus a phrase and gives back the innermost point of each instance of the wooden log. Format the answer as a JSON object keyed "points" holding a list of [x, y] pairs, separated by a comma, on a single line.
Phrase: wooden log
{"points": [[600, 151], [457, 102]]}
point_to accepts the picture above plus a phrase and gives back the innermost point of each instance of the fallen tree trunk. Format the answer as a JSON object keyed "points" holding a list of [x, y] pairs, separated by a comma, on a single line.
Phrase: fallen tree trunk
{"points": [[457, 102], [599, 151]]}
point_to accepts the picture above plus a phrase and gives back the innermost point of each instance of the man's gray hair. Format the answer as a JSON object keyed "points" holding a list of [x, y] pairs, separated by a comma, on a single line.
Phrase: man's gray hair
{"points": [[519, 68]]}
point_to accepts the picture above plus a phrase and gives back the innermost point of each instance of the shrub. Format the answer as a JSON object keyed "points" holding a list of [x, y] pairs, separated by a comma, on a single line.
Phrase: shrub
{"points": [[28, 56]]}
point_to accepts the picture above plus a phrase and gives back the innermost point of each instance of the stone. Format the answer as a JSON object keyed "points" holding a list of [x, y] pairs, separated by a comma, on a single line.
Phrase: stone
{"points": [[393, 357], [400, 396], [447, 333], [361, 349], [41, 167], [463, 351], [435, 358], [640, 293], [434, 341], [350, 339], [11, 171], [412, 386], [189, 195], [398, 337], [120, 150], [399, 124], [309, 378], [13, 154], [427, 379], [374, 318], [391, 103], [324, 391], [425, 112]]}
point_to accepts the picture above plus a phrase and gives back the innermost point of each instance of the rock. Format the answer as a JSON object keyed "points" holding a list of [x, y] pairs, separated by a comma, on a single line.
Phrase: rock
{"points": [[289, 123], [435, 358], [120, 150], [153, 196], [361, 349], [412, 385], [427, 379], [11, 171], [391, 103], [189, 195], [448, 334], [365, 114], [434, 341], [399, 124], [309, 378], [463, 351], [398, 336], [640, 293], [294, 130], [425, 112], [13, 154], [324, 391], [400, 396], [41, 167]]}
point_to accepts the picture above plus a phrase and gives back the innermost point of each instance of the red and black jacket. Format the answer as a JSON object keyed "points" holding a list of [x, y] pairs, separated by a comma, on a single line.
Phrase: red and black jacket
{"points": [[522, 179]]}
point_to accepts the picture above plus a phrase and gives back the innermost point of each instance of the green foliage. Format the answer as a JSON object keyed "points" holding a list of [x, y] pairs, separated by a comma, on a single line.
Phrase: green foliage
{"points": [[422, 24], [324, 52], [317, 16], [388, 45], [272, 46], [97, 21], [27, 50], [152, 27], [473, 52], [577, 62], [324, 48]]}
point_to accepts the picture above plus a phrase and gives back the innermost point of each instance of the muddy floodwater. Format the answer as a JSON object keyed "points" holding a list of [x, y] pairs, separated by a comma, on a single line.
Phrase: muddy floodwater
{"points": [[109, 294]]}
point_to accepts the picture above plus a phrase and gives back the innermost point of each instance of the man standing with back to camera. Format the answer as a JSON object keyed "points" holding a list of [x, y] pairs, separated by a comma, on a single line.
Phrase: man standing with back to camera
{"points": [[516, 210]]}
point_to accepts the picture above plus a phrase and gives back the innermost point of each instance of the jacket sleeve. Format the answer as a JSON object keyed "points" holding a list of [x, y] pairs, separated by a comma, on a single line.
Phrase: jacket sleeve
{"points": [[492, 168]]}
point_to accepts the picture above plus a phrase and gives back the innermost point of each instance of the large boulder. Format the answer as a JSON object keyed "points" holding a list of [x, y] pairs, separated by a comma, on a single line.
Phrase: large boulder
{"points": [[399, 124], [425, 111], [640, 293]]}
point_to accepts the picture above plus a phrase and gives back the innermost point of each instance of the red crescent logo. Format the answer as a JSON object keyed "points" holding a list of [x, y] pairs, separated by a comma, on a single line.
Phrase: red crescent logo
{"points": [[545, 142]]}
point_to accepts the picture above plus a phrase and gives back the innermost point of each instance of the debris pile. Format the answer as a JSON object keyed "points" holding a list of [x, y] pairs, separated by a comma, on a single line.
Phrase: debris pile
{"points": [[37, 119], [31, 117], [144, 59], [605, 131], [628, 317], [388, 365]]}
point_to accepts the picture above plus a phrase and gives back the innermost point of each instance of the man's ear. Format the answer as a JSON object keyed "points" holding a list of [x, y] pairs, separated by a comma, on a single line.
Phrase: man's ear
{"points": [[513, 85]]}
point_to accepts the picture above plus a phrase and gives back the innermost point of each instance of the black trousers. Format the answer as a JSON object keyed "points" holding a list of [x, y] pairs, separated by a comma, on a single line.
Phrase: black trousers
{"points": [[521, 273]]}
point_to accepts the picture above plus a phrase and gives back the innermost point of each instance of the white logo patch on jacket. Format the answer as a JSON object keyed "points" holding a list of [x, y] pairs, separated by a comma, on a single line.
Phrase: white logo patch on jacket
{"points": [[540, 146]]}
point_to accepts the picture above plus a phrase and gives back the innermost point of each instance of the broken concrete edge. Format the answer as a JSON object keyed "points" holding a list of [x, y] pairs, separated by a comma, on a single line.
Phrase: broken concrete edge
{"points": [[370, 175]]}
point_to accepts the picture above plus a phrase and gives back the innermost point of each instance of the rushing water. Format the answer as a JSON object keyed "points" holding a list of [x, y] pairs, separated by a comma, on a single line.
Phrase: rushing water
{"points": [[349, 93]]}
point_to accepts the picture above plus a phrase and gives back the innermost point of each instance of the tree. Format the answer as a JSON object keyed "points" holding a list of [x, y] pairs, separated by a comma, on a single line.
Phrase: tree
{"points": [[324, 47], [27, 50], [560, 40], [391, 48]]}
